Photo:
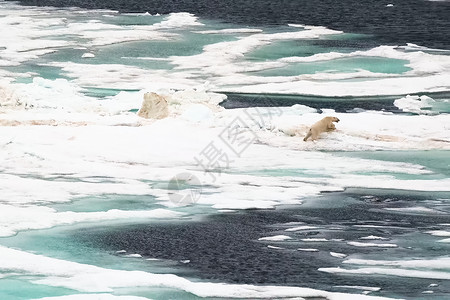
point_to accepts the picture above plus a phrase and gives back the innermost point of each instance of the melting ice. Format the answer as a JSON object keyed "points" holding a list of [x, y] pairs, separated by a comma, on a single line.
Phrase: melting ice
{"points": [[72, 81]]}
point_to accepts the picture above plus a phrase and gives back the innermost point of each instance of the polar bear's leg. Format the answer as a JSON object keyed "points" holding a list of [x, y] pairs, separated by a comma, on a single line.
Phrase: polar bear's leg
{"points": [[307, 135], [331, 127], [314, 134]]}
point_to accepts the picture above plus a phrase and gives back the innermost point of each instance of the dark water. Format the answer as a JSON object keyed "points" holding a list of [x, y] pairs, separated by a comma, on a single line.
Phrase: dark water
{"points": [[339, 104], [422, 22], [225, 247]]}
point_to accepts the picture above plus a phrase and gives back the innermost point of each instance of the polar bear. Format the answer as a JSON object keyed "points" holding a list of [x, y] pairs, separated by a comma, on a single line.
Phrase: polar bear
{"points": [[326, 124]]}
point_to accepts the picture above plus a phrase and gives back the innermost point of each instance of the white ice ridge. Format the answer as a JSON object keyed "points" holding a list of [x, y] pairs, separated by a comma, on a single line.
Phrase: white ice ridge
{"points": [[87, 278], [434, 268]]}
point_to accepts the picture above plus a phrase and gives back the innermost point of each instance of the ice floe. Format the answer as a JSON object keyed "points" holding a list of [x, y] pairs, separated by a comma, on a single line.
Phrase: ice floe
{"points": [[381, 245], [308, 249], [275, 238], [415, 104], [338, 255], [305, 227]]}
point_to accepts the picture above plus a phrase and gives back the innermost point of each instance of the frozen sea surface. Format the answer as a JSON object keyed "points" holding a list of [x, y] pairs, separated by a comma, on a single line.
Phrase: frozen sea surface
{"points": [[221, 199]]}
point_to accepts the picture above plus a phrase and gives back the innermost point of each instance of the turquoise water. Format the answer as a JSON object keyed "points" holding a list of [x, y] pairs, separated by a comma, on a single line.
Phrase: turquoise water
{"points": [[434, 160], [342, 65]]}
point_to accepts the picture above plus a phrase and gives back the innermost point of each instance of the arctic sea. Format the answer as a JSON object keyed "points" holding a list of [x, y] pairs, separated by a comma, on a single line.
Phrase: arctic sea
{"points": [[223, 199]]}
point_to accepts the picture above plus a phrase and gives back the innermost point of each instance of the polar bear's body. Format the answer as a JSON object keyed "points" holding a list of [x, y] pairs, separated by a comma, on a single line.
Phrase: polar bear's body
{"points": [[326, 124]]}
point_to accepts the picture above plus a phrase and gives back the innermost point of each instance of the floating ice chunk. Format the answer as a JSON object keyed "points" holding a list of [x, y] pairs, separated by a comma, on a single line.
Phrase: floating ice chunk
{"points": [[433, 285], [359, 244], [88, 55], [274, 247], [415, 104], [372, 237], [308, 249], [415, 47], [439, 233], [134, 255], [433, 263], [185, 261], [182, 19], [427, 292], [226, 210], [338, 255], [444, 241], [301, 228], [121, 251], [275, 238], [315, 240], [417, 209], [390, 5], [359, 287]]}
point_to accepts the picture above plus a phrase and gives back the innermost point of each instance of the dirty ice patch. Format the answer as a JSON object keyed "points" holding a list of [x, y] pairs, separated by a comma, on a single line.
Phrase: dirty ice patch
{"points": [[87, 278]]}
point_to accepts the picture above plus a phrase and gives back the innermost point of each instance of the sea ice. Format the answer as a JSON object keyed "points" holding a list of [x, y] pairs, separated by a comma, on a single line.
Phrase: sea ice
{"points": [[275, 238], [359, 244]]}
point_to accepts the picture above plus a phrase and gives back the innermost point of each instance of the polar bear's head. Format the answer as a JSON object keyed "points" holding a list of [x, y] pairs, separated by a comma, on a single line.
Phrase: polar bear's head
{"points": [[334, 119]]}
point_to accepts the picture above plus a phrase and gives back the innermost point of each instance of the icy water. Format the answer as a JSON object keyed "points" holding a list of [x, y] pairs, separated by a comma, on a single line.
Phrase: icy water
{"points": [[223, 199]]}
